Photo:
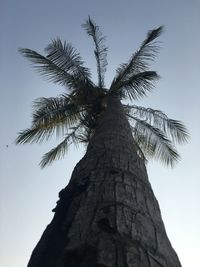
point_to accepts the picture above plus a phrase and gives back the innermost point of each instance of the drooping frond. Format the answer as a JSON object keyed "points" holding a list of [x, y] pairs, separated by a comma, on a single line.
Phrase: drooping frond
{"points": [[67, 74], [139, 61], [173, 129], [50, 115], [100, 49], [55, 112], [60, 150], [139, 84], [34, 135], [153, 142]]}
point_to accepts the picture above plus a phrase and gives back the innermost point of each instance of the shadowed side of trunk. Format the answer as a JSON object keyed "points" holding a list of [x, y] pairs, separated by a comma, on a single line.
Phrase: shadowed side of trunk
{"points": [[107, 216]]}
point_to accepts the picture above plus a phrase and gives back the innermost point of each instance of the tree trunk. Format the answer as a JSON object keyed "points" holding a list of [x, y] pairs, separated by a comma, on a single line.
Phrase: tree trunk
{"points": [[107, 216]]}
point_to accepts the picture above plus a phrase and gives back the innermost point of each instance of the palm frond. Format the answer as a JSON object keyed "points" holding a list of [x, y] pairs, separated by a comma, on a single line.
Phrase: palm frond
{"points": [[152, 35], [65, 56], [50, 115], [177, 131], [34, 135], [55, 112], [53, 72], [173, 129], [139, 61], [138, 85], [154, 143], [60, 150], [100, 49]]}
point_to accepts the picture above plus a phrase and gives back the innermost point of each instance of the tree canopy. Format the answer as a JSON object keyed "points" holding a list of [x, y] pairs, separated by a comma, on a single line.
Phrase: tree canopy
{"points": [[74, 115]]}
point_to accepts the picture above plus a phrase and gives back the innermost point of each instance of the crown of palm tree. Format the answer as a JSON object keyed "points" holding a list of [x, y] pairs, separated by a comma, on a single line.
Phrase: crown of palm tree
{"points": [[74, 115]]}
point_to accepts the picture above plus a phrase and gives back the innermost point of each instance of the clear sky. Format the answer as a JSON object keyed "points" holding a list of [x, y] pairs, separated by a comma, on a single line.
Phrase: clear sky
{"points": [[27, 193]]}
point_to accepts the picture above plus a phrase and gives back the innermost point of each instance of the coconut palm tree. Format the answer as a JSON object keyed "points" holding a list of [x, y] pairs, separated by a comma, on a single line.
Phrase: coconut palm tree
{"points": [[107, 215]]}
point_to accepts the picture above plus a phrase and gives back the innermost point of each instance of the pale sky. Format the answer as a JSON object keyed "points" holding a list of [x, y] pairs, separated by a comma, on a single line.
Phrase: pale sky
{"points": [[27, 193]]}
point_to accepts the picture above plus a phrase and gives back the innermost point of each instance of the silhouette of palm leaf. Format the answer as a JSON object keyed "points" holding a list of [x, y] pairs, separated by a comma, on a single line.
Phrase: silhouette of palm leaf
{"points": [[100, 49]]}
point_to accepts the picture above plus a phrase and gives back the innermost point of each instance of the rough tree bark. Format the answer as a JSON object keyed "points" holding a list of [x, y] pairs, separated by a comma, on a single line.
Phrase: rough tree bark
{"points": [[107, 216]]}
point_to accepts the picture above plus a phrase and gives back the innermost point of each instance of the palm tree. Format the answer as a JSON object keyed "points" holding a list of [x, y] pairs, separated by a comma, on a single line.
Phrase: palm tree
{"points": [[107, 215]]}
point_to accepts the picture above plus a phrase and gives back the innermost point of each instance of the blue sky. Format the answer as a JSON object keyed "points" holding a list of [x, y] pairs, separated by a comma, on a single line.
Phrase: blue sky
{"points": [[27, 193]]}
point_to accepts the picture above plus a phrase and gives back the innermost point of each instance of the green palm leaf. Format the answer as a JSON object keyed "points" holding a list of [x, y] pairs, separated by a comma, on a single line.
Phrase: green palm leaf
{"points": [[173, 129], [34, 135], [138, 85], [63, 75], [50, 115], [55, 112], [139, 62], [100, 49], [154, 143], [65, 56], [60, 150]]}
